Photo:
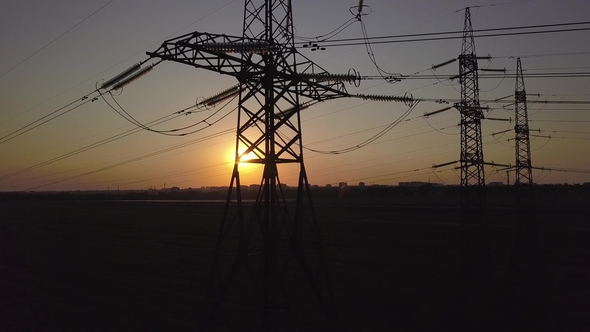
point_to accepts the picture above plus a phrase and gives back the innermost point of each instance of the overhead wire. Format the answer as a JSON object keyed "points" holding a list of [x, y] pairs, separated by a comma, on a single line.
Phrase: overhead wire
{"points": [[171, 132], [90, 97], [379, 39], [132, 160], [120, 62], [49, 117], [342, 44], [365, 178], [441, 129], [134, 130], [369, 140], [55, 39], [108, 140], [83, 149], [330, 34], [390, 156]]}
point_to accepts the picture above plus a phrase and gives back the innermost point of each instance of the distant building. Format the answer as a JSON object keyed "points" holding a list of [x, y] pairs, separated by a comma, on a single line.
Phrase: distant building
{"points": [[496, 184], [328, 186], [361, 184], [412, 184], [342, 185]]}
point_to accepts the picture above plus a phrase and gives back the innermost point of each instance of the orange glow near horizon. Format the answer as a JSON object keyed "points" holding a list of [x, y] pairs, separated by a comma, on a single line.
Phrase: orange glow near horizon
{"points": [[242, 158]]}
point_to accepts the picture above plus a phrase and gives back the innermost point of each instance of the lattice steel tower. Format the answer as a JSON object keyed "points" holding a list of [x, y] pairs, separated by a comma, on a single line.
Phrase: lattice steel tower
{"points": [[523, 165], [275, 83], [471, 159], [473, 196]]}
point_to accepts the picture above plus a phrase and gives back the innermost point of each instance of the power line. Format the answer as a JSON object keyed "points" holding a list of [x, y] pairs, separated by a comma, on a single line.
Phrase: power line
{"points": [[55, 39], [94, 145], [118, 63], [542, 55], [172, 132], [400, 77], [561, 121], [133, 160], [343, 165], [371, 139], [380, 39], [25, 129]]}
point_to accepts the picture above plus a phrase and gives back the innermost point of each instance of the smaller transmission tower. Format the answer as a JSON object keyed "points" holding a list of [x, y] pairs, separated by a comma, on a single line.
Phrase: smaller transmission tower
{"points": [[524, 174]]}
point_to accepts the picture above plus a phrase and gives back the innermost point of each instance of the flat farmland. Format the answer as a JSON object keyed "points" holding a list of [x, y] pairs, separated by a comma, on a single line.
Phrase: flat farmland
{"points": [[113, 265]]}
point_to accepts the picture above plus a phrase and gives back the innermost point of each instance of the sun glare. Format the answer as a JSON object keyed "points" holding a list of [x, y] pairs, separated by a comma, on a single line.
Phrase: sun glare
{"points": [[243, 158]]}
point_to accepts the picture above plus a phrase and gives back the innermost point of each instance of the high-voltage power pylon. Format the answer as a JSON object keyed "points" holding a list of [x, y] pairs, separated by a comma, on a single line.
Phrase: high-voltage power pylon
{"points": [[524, 175], [273, 78], [473, 196], [471, 159]]}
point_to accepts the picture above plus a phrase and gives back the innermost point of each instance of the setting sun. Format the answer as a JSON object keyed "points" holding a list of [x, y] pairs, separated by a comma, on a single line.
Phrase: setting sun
{"points": [[242, 157]]}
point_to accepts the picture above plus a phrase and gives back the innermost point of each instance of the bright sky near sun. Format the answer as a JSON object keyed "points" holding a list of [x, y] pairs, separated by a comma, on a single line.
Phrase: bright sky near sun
{"points": [[54, 52]]}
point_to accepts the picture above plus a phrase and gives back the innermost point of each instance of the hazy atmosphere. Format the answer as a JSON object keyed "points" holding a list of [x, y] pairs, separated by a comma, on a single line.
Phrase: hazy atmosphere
{"points": [[54, 53]]}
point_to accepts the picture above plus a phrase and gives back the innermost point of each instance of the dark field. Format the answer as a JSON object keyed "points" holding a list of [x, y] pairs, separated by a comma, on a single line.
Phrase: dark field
{"points": [[98, 265]]}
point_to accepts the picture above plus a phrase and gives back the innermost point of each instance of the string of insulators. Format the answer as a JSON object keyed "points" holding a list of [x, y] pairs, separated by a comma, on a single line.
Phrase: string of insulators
{"points": [[133, 77], [503, 70], [498, 99], [435, 67], [291, 110], [239, 47], [326, 77], [408, 100], [500, 119], [360, 6], [220, 97], [501, 132], [444, 164], [436, 112], [536, 136], [121, 76]]}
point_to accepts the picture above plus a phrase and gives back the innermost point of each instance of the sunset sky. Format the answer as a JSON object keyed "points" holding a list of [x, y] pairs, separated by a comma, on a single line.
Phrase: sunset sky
{"points": [[54, 52]]}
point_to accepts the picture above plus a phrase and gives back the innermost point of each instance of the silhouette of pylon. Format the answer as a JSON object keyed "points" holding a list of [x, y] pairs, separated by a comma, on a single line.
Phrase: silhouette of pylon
{"points": [[473, 196], [279, 243], [524, 174]]}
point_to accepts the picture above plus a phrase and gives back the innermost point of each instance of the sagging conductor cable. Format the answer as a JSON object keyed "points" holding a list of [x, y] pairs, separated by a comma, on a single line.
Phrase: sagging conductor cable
{"points": [[96, 144], [371, 139], [209, 120], [88, 98], [116, 82], [230, 94]]}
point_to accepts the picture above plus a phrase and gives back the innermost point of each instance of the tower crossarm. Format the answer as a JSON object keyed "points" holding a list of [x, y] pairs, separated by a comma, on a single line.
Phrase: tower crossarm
{"points": [[317, 84], [223, 54], [242, 58]]}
